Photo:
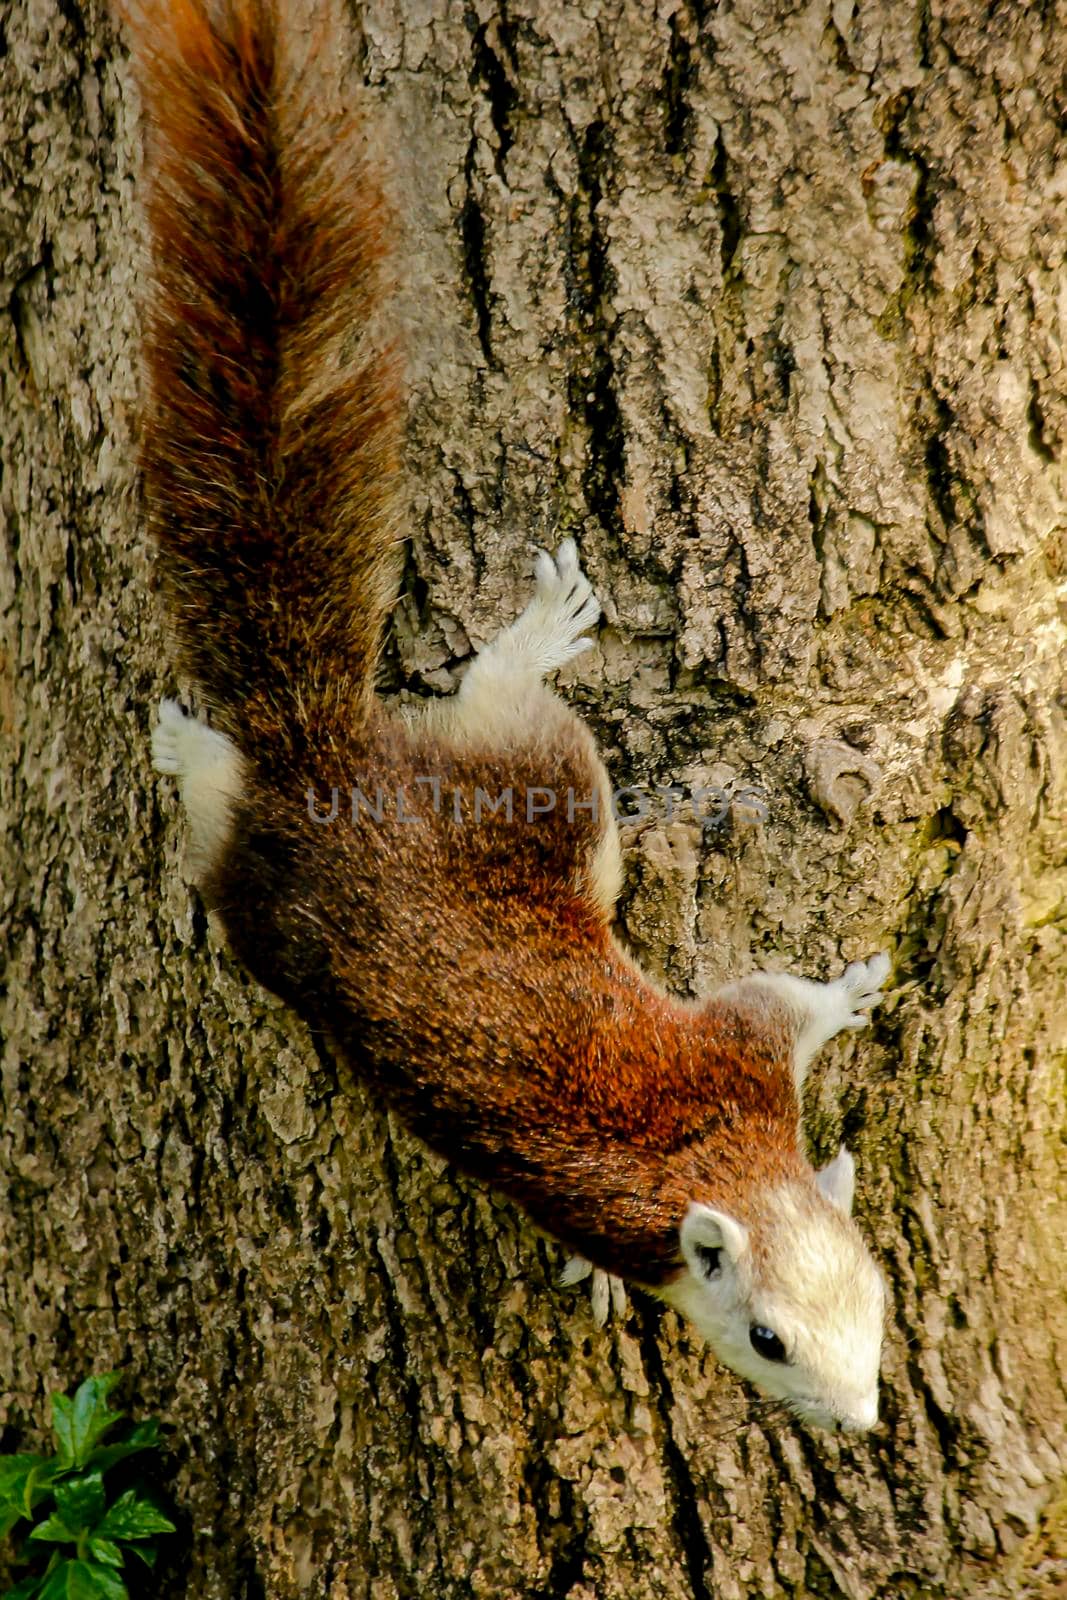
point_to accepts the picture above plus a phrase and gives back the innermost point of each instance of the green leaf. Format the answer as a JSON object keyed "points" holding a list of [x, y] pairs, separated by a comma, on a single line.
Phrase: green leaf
{"points": [[132, 1517], [80, 1422], [55, 1587], [63, 1428], [83, 1580], [24, 1590], [80, 1501], [53, 1530], [14, 1475], [90, 1417], [144, 1552], [9, 1515], [14, 1468], [26, 1482], [145, 1436], [39, 1484], [99, 1582], [103, 1550]]}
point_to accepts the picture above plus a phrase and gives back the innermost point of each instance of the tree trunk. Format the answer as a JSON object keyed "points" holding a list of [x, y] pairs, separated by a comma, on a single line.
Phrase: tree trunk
{"points": [[764, 303]]}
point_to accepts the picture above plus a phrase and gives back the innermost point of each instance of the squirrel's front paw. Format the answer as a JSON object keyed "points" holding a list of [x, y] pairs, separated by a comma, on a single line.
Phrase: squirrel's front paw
{"points": [[549, 632], [859, 989], [607, 1293]]}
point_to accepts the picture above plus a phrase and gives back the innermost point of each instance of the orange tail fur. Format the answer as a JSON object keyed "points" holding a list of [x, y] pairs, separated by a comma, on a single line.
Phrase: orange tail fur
{"points": [[271, 429]]}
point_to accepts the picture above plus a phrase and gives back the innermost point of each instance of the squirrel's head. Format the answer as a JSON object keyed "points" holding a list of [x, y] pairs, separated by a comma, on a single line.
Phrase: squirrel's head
{"points": [[791, 1300]]}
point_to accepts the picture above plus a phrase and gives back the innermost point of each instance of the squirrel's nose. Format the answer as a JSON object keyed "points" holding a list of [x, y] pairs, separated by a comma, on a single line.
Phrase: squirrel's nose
{"points": [[858, 1418]]}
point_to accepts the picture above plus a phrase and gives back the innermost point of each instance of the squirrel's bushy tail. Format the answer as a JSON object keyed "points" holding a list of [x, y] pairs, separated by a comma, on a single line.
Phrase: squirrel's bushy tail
{"points": [[271, 423]]}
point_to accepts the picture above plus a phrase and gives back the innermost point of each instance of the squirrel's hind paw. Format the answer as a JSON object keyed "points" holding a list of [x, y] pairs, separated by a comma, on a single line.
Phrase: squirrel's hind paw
{"points": [[167, 738], [210, 774], [860, 988], [549, 632]]}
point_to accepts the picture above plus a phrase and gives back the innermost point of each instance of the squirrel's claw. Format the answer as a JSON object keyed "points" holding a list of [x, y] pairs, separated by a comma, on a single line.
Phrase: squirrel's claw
{"points": [[607, 1293]]}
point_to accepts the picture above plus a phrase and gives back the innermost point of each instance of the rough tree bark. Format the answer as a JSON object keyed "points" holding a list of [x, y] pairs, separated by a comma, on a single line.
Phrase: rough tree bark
{"points": [[765, 302]]}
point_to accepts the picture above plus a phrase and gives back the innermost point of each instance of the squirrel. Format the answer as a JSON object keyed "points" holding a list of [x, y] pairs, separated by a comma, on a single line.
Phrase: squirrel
{"points": [[457, 949]]}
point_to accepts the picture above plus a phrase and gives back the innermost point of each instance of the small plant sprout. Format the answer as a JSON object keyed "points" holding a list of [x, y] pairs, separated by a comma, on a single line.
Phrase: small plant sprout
{"points": [[82, 1530]]}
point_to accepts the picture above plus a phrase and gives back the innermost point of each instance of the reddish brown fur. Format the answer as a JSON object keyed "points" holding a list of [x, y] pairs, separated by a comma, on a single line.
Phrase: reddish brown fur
{"points": [[459, 967], [270, 448], [467, 978]]}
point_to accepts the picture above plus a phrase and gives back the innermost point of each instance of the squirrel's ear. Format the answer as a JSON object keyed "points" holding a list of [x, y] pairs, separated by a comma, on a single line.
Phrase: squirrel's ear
{"points": [[706, 1235], [837, 1182]]}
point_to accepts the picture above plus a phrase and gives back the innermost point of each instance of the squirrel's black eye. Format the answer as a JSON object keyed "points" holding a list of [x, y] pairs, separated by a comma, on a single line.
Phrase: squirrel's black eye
{"points": [[765, 1343], [710, 1259]]}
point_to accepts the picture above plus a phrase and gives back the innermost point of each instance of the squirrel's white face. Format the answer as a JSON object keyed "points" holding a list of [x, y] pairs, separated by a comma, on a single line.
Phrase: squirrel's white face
{"points": [[793, 1302]]}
